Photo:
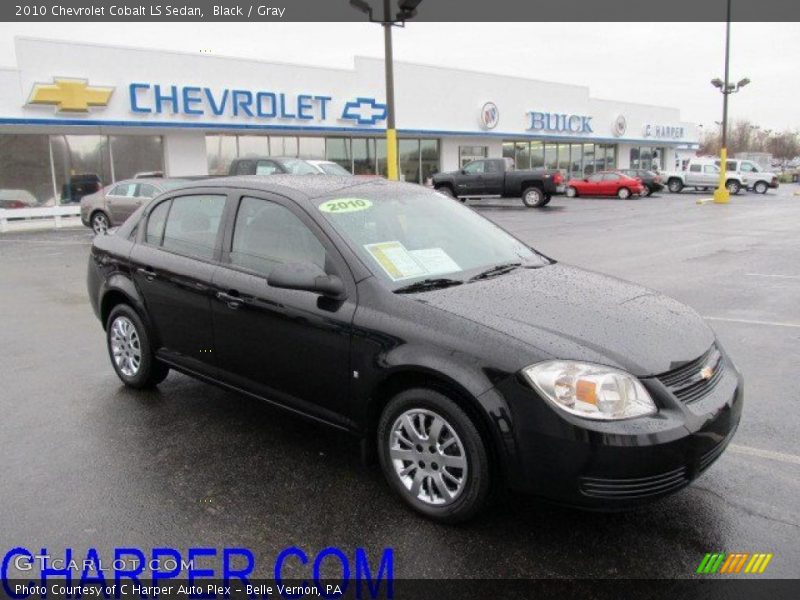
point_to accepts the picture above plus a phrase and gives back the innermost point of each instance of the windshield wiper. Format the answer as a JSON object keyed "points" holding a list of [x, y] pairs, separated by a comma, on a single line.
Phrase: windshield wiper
{"points": [[427, 284], [495, 271]]}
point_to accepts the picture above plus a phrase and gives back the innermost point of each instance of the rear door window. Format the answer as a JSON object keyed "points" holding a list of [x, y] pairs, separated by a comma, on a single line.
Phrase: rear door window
{"points": [[155, 223], [266, 167], [127, 190], [193, 224]]}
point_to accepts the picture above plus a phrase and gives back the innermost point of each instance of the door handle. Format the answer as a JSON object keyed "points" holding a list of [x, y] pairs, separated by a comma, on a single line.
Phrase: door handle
{"points": [[231, 299], [148, 273]]}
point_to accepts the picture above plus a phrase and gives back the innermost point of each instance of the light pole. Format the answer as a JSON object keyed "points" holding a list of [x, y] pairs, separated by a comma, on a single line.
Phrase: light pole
{"points": [[408, 9], [721, 194]]}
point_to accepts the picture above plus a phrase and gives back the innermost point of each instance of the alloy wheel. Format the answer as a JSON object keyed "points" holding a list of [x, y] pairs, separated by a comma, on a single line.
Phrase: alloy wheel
{"points": [[428, 457], [125, 346], [100, 223]]}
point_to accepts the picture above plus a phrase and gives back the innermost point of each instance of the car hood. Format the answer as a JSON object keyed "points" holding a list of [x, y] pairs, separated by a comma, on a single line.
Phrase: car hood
{"points": [[569, 313]]}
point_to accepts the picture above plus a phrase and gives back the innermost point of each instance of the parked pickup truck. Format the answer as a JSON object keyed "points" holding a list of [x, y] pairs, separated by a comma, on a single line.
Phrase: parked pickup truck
{"points": [[703, 174], [757, 180], [497, 177]]}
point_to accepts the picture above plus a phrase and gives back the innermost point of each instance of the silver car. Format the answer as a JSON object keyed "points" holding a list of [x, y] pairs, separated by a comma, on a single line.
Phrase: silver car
{"points": [[110, 206]]}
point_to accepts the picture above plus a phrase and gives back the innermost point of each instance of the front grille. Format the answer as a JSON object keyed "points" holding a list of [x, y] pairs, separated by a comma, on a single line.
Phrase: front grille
{"points": [[633, 488], [692, 381]]}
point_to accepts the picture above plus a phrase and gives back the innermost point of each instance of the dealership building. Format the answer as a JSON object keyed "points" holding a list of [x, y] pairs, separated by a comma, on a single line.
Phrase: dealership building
{"points": [[71, 110]]}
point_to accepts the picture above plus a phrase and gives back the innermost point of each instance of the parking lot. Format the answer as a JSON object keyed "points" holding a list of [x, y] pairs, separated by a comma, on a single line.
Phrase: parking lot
{"points": [[88, 463]]}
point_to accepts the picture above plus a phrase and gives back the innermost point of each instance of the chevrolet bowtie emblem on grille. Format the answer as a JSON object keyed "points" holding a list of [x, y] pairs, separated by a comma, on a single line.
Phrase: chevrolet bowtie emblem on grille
{"points": [[707, 372], [70, 95]]}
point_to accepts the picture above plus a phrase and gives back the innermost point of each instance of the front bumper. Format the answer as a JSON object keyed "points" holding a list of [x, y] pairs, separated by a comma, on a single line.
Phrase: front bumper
{"points": [[616, 465]]}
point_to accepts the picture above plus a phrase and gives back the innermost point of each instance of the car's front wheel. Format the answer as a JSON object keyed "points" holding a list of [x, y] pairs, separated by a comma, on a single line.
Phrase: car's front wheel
{"points": [[433, 456], [733, 186], [647, 191], [533, 197], [623, 193], [130, 350], [446, 190], [100, 223], [760, 187], [675, 185]]}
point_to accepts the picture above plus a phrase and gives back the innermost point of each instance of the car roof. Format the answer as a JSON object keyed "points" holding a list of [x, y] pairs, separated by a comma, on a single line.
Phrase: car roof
{"points": [[305, 187], [241, 158]]}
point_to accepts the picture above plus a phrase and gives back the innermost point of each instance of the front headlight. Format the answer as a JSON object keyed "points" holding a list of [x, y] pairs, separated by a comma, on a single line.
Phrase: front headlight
{"points": [[590, 391]]}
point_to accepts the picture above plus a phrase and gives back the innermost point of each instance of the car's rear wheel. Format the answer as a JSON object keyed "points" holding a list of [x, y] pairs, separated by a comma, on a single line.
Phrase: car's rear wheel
{"points": [[100, 223], [733, 186], [760, 187], [675, 185], [623, 193], [433, 456], [572, 192], [533, 197], [130, 351]]}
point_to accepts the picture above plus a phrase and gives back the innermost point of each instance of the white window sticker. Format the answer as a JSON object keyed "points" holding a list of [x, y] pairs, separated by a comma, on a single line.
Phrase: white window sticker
{"points": [[395, 260], [435, 260]]}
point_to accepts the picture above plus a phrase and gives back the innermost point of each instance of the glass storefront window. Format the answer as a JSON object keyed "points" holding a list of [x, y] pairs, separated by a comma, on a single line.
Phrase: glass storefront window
{"points": [[220, 152], [563, 157], [132, 154], [26, 179], [610, 161], [363, 156], [429, 157], [522, 158], [537, 155], [312, 147], [283, 146], [508, 150], [576, 160], [338, 150], [634, 158], [253, 145], [408, 154], [551, 156], [469, 153], [589, 160], [82, 165]]}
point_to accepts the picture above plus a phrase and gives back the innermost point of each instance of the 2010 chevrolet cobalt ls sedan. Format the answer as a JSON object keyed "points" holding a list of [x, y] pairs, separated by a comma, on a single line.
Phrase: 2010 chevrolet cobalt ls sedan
{"points": [[468, 359]]}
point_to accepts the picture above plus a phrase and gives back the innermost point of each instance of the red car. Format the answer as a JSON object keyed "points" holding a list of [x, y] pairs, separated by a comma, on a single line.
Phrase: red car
{"points": [[606, 183]]}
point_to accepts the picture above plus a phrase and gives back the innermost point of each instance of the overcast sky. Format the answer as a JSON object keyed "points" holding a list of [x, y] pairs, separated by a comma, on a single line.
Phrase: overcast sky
{"points": [[652, 63]]}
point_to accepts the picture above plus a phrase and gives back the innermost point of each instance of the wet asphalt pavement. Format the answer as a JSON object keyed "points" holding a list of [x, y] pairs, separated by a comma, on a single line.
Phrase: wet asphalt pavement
{"points": [[88, 463]]}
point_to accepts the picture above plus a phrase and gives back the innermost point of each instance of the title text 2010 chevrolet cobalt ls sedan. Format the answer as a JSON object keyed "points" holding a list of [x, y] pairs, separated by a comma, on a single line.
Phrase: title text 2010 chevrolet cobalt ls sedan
{"points": [[399, 315]]}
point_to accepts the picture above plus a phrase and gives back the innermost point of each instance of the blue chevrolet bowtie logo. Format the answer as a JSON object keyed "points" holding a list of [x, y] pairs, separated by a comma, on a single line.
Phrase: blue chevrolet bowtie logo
{"points": [[364, 111]]}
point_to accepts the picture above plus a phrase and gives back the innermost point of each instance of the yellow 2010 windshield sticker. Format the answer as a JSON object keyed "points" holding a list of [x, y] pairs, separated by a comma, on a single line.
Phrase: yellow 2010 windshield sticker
{"points": [[345, 205]]}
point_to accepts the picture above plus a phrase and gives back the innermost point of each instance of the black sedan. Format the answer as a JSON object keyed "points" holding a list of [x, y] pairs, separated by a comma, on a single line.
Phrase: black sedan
{"points": [[650, 179], [464, 357]]}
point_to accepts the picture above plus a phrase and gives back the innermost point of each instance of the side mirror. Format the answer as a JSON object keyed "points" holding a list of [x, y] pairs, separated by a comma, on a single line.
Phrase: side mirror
{"points": [[462, 171], [306, 277]]}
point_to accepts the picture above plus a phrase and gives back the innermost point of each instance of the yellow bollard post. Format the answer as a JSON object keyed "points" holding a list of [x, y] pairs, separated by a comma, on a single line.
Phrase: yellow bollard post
{"points": [[391, 154], [721, 194]]}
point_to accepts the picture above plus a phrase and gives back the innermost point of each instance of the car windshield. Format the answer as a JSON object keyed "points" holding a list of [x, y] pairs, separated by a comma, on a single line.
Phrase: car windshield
{"points": [[408, 235], [298, 167], [334, 169]]}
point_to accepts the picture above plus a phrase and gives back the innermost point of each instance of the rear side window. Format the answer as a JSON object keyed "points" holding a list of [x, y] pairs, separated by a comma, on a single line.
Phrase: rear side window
{"points": [[610, 177], [694, 168], [124, 189], [192, 225], [478, 166], [710, 169], [155, 224], [267, 234], [147, 191]]}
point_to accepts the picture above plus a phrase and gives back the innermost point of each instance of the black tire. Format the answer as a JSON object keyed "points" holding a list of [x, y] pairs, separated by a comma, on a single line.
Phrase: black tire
{"points": [[533, 197], [446, 190], [761, 187], [474, 492], [547, 200], [572, 192], [150, 371], [623, 193], [647, 191], [675, 185], [733, 186], [99, 222]]}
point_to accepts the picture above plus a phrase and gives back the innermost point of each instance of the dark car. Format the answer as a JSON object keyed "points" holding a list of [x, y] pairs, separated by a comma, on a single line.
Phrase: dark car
{"points": [[463, 356], [497, 177], [271, 165], [79, 186], [651, 180]]}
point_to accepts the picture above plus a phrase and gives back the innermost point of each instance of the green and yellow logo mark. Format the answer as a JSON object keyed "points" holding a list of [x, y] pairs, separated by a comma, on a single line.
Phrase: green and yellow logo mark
{"points": [[736, 562]]}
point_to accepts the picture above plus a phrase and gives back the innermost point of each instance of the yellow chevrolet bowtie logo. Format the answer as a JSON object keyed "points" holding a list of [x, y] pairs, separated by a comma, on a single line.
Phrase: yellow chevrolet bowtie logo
{"points": [[70, 95]]}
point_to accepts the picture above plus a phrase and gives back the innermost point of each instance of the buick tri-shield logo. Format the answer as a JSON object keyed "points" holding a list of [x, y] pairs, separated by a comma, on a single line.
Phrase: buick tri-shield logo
{"points": [[490, 115]]}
